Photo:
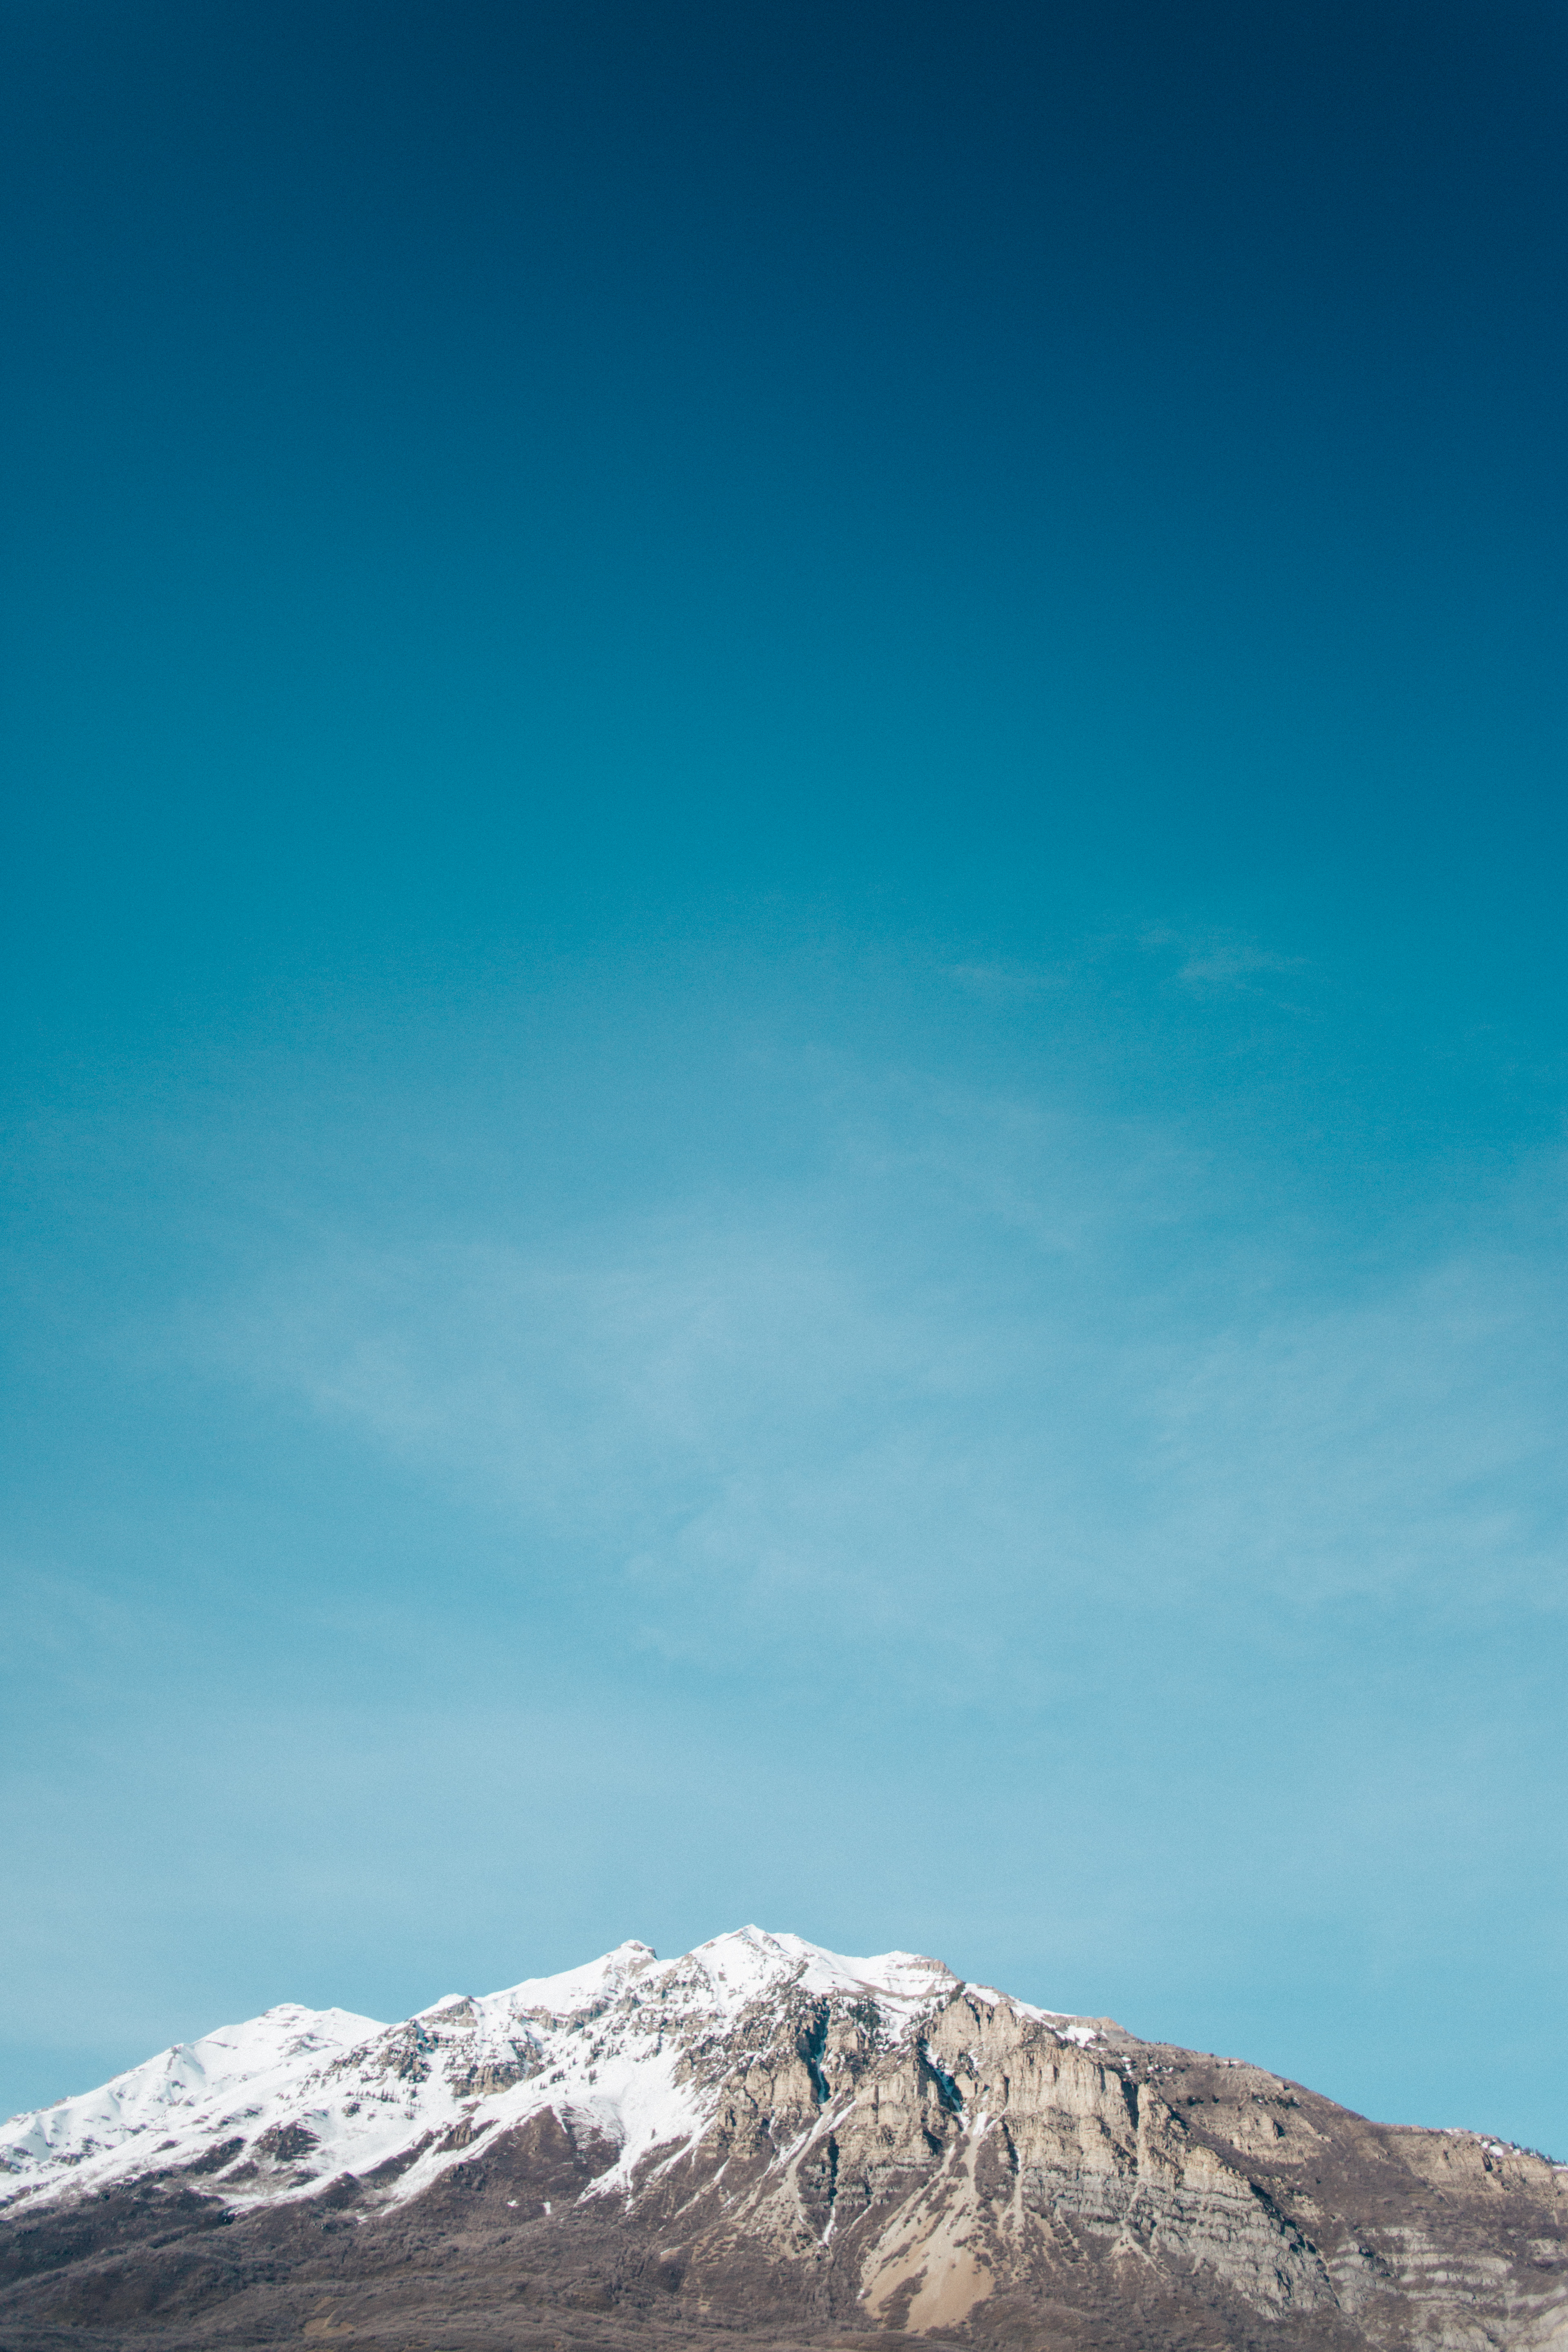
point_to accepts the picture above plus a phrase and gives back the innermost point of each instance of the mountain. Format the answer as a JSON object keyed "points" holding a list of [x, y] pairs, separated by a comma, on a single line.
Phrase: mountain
{"points": [[760, 2139]]}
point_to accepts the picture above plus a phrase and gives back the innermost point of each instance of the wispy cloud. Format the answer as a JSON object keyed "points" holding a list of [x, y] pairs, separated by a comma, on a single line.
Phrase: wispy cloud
{"points": [[1012, 1369], [1007, 983], [1216, 963]]}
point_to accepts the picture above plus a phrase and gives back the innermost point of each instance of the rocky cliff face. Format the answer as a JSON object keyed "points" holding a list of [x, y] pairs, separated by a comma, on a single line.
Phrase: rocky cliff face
{"points": [[760, 2138]]}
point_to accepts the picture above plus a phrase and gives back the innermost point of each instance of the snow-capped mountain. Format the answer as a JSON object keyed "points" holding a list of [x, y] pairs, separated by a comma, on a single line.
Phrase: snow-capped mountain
{"points": [[766, 2138], [273, 2106]]}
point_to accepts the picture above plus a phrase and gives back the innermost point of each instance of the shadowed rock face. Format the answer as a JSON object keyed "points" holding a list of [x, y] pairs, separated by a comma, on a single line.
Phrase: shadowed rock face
{"points": [[849, 2167]]}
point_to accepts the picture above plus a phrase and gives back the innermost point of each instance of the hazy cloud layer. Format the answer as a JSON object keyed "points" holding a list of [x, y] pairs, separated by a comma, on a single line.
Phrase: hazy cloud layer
{"points": [[966, 1365]]}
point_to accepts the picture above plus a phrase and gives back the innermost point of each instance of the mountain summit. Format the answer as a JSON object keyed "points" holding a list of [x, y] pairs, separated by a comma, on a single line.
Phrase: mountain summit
{"points": [[761, 2138], [629, 2049]]}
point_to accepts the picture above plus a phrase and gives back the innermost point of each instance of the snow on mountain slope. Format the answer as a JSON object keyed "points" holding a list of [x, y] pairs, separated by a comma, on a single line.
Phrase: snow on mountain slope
{"points": [[630, 2048], [255, 2067]]}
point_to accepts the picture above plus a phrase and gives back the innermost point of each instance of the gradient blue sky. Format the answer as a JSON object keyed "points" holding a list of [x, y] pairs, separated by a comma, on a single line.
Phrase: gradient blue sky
{"points": [[783, 1117]]}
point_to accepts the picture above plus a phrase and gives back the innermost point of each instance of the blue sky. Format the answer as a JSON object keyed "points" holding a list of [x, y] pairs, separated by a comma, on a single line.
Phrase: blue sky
{"points": [[784, 1103]]}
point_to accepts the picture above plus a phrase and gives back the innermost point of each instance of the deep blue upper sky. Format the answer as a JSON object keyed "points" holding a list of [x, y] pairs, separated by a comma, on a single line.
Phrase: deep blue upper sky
{"points": [[785, 1108]]}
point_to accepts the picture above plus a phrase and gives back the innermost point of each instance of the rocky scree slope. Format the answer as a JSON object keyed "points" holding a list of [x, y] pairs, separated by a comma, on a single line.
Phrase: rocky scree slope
{"points": [[760, 2138]]}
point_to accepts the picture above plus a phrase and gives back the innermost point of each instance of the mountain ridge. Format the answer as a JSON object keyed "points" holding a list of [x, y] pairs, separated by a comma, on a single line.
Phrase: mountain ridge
{"points": [[760, 2137], [289, 2050]]}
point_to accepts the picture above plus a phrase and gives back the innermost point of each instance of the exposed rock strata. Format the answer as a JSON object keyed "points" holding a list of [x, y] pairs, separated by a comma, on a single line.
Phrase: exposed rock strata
{"points": [[762, 2139]]}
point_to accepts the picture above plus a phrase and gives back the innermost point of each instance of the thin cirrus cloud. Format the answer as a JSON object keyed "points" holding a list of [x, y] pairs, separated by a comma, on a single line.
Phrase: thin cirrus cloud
{"points": [[1017, 1359], [1206, 964], [1219, 964]]}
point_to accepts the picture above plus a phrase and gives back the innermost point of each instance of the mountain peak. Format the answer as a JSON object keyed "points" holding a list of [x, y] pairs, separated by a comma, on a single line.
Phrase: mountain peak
{"points": [[364, 2090]]}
